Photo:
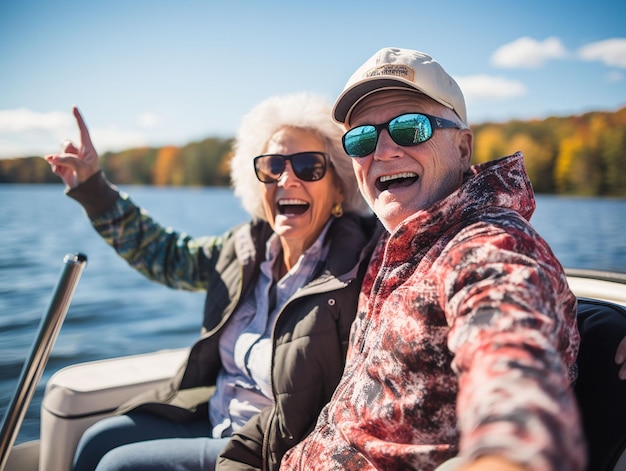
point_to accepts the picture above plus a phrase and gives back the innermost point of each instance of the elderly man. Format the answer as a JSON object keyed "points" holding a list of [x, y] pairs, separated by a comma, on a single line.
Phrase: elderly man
{"points": [[465, 340]]}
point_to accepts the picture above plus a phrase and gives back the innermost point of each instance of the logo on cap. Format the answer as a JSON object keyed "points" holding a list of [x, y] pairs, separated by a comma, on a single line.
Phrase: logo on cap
{"points": [[395, 70]]}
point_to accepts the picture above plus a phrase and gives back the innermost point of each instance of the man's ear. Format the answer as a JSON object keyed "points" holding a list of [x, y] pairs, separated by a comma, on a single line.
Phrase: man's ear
{"points": [[465, 143]]}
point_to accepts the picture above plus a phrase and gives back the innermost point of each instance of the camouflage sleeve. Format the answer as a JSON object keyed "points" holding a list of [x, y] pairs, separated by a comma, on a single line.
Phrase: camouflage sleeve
{"points": [[161, 254]]}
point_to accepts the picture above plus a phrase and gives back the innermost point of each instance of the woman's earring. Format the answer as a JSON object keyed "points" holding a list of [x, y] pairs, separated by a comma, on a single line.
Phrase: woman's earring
{"points": [[337, 210]]}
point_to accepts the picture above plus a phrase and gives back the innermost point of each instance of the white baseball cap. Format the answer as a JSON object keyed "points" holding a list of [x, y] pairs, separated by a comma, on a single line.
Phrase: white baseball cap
{"points": [[393, 69]]}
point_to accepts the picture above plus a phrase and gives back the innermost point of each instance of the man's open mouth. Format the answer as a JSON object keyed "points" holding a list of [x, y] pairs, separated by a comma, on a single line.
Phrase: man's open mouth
{"points": [[292, 206], [397, 180]]}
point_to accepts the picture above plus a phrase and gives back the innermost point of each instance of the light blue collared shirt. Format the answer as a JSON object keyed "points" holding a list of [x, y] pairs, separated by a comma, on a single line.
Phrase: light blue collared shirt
{"points": [[244, 385]]}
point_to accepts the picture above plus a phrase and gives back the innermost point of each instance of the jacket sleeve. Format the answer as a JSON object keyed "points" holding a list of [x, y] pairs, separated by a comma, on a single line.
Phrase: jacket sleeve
{"points": [[515, 341], [161, 254], [244, 450]]}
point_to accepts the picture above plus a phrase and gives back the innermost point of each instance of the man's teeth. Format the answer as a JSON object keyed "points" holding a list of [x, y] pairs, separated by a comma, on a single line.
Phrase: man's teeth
{"points": [[386, 178], [397, 180]]}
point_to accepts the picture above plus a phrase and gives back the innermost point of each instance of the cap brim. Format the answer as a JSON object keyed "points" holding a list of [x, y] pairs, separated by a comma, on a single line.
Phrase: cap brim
{"points": [[350, 97], [347, 101]]}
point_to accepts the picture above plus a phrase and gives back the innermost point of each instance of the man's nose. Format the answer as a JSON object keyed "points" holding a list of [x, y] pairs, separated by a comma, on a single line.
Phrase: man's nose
{"points": [[386, 148]]}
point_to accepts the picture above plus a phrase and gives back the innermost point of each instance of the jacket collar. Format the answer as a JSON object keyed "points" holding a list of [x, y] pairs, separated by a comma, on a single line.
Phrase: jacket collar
{"points": [[501, 184]]}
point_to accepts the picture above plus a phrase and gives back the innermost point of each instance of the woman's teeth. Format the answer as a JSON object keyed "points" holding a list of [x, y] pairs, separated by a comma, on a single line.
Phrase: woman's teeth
{"points": [[292, 206]]}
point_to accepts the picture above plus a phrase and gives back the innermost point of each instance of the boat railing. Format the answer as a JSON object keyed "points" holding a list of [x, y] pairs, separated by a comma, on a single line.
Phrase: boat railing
{"points": [[48, 331]]}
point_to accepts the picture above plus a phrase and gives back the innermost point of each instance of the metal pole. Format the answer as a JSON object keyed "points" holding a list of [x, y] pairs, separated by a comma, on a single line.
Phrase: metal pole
{"points": [[35, 364]]}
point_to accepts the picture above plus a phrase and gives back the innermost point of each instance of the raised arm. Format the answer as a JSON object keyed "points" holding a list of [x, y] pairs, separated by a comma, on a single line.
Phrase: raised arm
{"points": [[75, 164]]}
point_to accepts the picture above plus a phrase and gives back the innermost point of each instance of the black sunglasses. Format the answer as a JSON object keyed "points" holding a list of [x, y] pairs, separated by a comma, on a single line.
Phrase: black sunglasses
{"points": [[406, 130], [308, 166]]}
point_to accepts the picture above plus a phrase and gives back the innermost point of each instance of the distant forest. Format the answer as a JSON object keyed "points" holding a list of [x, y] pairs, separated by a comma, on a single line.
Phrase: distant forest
{"points": [[578, 155]]}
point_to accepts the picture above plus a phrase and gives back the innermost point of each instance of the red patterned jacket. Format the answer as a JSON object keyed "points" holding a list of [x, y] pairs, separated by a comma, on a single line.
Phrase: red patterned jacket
{"points": [[464, 344]]}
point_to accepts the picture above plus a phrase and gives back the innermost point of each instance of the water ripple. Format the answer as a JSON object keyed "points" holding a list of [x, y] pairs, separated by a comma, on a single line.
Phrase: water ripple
{"points": [[116, 311]]}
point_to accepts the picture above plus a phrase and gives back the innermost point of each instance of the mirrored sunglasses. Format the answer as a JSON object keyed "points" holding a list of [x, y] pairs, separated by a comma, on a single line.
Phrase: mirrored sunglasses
{"points": [[307, 166], [406, 130]]}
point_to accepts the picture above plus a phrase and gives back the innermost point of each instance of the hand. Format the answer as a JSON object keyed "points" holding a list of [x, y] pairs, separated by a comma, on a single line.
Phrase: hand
{"points": [[75, 164], [620, 358], [491, 463]]}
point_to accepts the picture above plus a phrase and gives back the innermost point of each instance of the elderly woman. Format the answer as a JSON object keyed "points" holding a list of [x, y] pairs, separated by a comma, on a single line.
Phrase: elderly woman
{"points": [[281, 293]]}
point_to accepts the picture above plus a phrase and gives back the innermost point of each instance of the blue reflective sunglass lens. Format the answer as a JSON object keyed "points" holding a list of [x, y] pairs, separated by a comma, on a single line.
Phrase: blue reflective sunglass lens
{"points": [[410, 129], [360, 141], [406, 130]]}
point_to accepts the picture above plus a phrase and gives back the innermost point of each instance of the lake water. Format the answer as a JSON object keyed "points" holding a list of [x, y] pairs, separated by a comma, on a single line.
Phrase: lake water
{"points": [[115, 311]]}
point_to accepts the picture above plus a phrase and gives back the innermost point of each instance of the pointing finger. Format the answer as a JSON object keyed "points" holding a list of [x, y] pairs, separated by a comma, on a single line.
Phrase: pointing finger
{"points": [[85, 139]]}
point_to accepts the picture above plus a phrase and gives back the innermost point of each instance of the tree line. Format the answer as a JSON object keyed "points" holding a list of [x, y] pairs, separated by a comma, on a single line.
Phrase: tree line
{"points": [[576, 155]]}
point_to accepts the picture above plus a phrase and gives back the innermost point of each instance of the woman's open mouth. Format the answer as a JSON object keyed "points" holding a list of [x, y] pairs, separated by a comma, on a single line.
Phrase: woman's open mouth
{"points": [[292, 206]]}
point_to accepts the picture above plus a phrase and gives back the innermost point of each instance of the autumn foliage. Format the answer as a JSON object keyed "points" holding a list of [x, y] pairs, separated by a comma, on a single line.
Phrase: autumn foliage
{"points": [[578, 155], [582, 155]]}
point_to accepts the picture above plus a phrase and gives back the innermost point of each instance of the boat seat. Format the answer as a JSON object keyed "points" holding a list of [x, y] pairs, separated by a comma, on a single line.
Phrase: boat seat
{"points": [[600, 393], [79, 395]]}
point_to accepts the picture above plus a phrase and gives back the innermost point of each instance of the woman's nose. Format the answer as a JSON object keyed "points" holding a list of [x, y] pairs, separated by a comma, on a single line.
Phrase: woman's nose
{"points": [[288, 177]]}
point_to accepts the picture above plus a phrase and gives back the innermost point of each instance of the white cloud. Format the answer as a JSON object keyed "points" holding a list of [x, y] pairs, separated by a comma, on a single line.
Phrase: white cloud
{"points": [[10, 148], [528, 53], [148, 120], [22, 119], [611, 52], [115, 139], [484, 87], [25, 132]]}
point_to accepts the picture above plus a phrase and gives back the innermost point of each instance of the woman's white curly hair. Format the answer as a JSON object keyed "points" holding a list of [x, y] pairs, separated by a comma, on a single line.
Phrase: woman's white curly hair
{"points": [[300, 110]]}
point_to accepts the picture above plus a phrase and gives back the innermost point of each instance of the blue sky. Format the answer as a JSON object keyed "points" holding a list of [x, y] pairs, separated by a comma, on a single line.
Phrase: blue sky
{"points": [[157, 72]]}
